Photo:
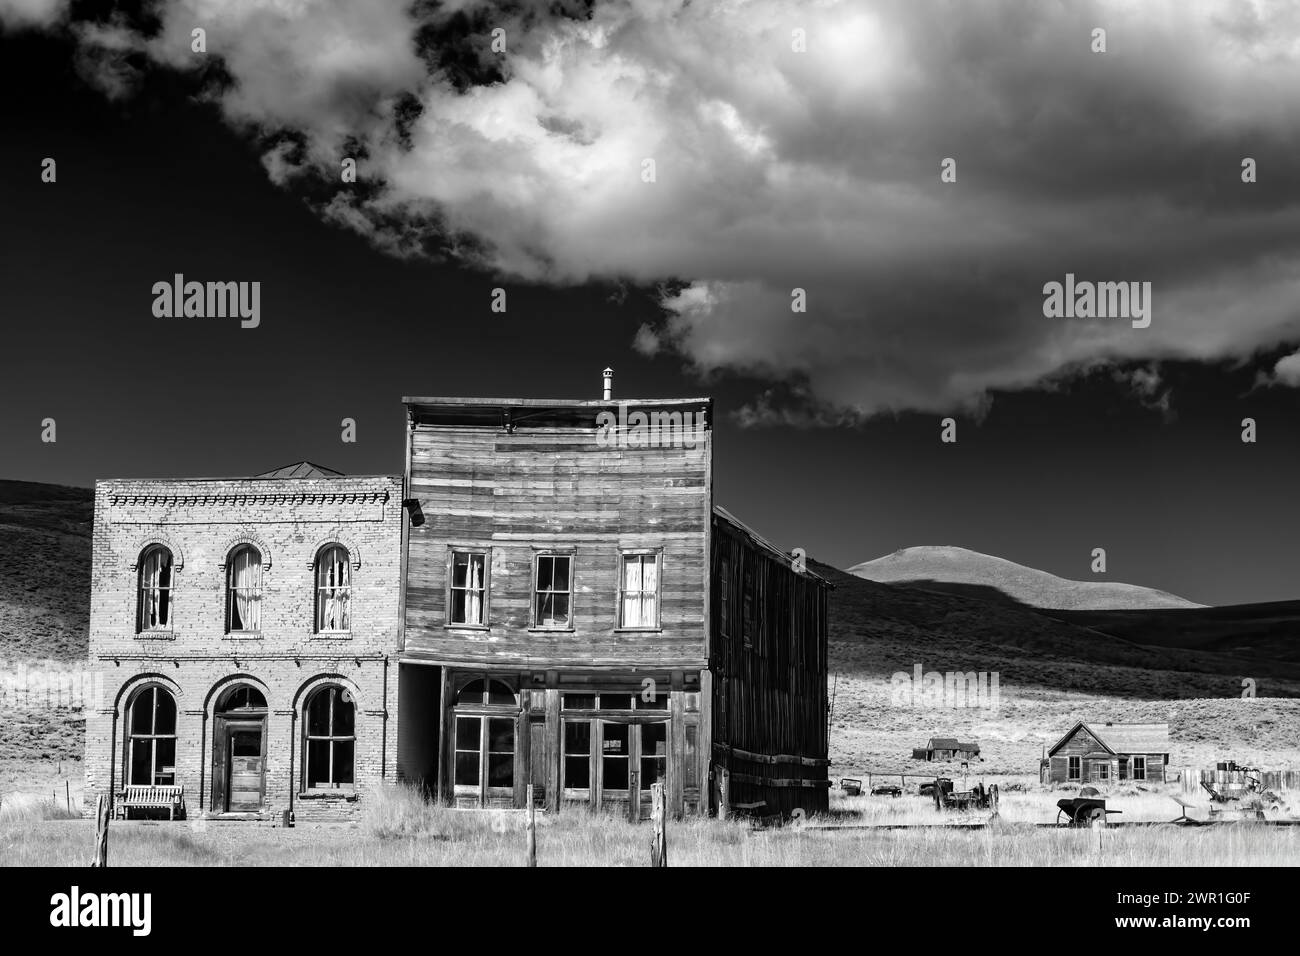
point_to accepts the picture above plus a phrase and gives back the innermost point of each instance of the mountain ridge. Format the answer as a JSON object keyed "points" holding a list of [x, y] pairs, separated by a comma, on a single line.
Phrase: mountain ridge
{"points": [[976, 574]]}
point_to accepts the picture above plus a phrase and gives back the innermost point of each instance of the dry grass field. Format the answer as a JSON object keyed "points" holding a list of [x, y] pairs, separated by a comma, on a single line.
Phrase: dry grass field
{"points": [[402, 831]]}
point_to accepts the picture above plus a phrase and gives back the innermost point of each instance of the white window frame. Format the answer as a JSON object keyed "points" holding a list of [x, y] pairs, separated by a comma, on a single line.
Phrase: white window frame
{"points": [[533, 592], [144, 590], [258, 590], [485, 610], [343, 696], [319, 610], [642, 553]]}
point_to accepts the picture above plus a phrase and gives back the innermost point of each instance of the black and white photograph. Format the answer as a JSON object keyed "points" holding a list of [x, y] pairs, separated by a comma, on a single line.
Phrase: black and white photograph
{"points": [[759, 435]]}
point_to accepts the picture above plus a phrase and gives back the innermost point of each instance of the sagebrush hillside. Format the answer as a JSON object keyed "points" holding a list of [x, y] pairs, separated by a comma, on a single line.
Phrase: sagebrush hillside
{"points": [[45, 594]]}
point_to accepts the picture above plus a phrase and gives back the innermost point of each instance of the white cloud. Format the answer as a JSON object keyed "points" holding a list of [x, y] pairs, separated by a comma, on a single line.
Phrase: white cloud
{"points": [[817, 170], [31, 14]]}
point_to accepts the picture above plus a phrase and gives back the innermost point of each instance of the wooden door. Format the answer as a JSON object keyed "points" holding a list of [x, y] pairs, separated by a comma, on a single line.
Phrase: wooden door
{"points": [[246, 768], [633, 757]]}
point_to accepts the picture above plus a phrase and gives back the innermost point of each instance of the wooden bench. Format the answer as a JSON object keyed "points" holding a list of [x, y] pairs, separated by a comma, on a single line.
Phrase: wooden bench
{"points": [[142, 797]]}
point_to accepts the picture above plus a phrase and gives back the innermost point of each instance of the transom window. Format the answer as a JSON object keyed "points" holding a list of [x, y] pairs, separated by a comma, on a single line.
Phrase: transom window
{"points": [[244, 590], [333, 589], [654, 698], [330, 725], [638, 591], [151, 738], [467, 597], [155, 589], [553, 590], [241, 697]]}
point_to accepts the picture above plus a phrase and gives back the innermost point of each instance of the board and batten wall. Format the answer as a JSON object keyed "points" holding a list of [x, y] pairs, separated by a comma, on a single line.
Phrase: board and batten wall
{"points": [[768, 669]]}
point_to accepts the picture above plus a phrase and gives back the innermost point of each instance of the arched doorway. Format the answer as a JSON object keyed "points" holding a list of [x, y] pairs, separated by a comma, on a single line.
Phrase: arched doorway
{"points": [[239, 750]]}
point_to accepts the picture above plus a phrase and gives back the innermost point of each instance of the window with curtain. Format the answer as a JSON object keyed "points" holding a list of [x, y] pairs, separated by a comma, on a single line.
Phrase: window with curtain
{"points": [[468, 598], [244, 575], [151, 738], [329, 759], [155, 589], [333, 589], [553, 590], [638, 593]]}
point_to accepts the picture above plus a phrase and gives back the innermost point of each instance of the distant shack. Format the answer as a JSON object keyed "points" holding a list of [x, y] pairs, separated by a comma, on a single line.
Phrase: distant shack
{"points": [[1100, 753], [947, 748]]}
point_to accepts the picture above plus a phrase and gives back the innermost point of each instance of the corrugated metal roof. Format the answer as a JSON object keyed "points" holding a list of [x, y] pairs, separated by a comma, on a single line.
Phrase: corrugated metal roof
{"points": [[301, 469]]}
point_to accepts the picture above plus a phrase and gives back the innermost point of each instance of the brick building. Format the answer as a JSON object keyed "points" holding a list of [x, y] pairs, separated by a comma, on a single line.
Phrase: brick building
{"points": [[244, 628]]}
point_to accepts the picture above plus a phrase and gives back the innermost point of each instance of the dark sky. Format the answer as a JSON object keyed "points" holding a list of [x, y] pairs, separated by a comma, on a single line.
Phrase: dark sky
{"points": [[156, 183]]}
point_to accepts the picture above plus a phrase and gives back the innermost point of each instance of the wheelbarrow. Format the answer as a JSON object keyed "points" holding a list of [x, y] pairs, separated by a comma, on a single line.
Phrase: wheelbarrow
{"points": [[1082, 810]]}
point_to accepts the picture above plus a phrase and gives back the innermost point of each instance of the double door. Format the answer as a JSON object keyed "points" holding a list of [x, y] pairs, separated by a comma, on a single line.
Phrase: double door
{"points": [[611, 764]]}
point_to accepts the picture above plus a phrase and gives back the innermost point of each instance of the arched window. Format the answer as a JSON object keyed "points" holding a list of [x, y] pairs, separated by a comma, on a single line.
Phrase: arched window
{"points": [[155, 604], [333, 589], [151, 738], [329, 758], [239, 698], [244, 590], [486, 713]]}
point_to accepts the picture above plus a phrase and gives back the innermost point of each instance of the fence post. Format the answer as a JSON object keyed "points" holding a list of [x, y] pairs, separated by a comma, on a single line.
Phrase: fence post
{"points": [[101, 831], [724, 793], [67, 792], [532, 829], [659, 841]]}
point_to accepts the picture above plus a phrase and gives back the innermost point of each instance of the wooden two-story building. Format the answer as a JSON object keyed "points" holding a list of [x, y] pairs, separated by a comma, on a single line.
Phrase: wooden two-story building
{"points": [[580, 617]]}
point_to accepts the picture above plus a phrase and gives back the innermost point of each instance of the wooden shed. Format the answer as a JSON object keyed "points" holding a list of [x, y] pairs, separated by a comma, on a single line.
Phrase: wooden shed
{"points": [[1101, 753]]}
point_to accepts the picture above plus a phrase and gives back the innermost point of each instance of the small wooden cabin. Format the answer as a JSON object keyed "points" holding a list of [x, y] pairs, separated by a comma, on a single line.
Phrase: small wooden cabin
{"points": [[1101, 753], [578, 616], [948, 748]]}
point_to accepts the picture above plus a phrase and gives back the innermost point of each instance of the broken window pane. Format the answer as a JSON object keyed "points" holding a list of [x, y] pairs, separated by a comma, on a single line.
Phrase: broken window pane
{"points": [[155, 589], [333, 589]]}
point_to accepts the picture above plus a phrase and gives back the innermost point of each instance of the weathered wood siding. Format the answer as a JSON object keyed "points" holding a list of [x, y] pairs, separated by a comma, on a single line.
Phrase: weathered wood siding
{"points": [[768, 667], [556, 486], [1081, 743]]}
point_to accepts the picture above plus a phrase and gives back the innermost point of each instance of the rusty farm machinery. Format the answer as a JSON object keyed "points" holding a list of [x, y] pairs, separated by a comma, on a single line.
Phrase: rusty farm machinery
{"points": [[946, 798]]}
